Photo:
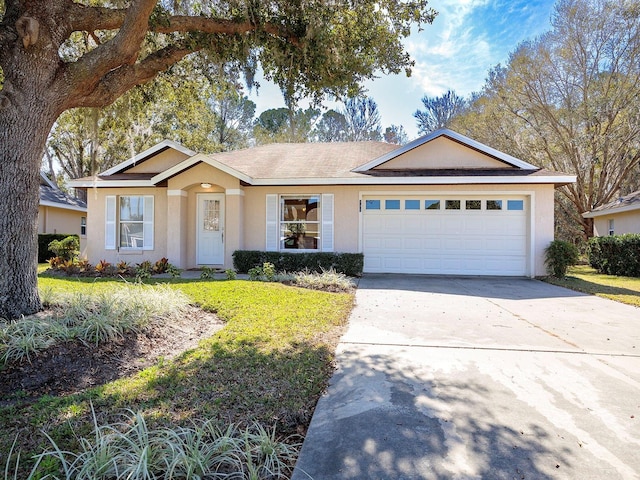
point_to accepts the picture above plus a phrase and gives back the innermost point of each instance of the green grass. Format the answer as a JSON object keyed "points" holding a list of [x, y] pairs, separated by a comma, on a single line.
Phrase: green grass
{"points": [[583, 278], [269, 364]]}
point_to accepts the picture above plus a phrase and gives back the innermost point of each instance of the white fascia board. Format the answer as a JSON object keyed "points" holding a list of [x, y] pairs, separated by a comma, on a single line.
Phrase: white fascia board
{"points": [[109, 183], [200, 157], [414, 180], [611, 211], [148, 152], [516, 162], [63, 206]]}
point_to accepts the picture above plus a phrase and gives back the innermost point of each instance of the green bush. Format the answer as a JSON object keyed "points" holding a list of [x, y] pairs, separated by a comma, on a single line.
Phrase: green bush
{"points": [[44, 239], [347, 263], [616, 254], [559, 255], [68, 248]]}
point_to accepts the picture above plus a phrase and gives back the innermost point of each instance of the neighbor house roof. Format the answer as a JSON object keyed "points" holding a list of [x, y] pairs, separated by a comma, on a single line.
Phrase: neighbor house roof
{"points": [[627, 203], [52, 196]]}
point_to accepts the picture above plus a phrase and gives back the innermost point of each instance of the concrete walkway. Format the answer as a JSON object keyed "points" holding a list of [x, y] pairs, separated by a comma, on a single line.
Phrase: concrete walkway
{"points": [[479, 378]]}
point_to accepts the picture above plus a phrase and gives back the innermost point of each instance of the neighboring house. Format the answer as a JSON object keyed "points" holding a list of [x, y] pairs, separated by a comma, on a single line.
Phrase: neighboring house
{"points": [[61, 213], [442, 204], [617, 217]]}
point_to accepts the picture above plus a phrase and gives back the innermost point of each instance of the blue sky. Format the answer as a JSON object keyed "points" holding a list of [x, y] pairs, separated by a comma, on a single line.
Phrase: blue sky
{"points": [[467, 38]]}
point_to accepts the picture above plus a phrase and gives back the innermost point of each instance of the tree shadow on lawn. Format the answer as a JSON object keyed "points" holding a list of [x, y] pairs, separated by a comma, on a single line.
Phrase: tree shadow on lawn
{"points": [[227, 383], [593, 288]]}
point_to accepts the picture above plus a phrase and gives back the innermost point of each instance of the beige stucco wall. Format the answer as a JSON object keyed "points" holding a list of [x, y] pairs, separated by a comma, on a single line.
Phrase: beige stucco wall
{"points": [[625, 222], [159, 162], [347, 215], [442, 153], [61, 220], [95, 250], [175, 212]]}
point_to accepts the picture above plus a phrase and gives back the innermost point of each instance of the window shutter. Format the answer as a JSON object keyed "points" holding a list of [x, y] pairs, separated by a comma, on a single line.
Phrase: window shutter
{"points": [[272, 223], [110, 223], [327, 222], [147, 223]]}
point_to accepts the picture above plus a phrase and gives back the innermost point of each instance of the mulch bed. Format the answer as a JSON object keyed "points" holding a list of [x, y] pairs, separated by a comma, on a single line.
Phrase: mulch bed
{"points": [[74, 366]]}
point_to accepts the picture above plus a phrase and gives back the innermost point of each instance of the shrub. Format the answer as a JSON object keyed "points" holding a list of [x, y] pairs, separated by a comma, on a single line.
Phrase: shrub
{"points": [[327, 280], [559, 255], [44, 239], [350, 264], [616, 254], [67, 248]]}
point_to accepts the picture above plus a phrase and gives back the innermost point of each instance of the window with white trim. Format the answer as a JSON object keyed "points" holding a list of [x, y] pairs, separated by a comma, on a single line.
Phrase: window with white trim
{"points": [[612, 229], [299, 222], [129, 222], [83, 226]]}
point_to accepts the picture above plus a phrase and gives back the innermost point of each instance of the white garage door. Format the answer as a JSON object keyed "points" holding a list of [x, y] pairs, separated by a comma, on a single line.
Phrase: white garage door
{"points": [[452, 235]]}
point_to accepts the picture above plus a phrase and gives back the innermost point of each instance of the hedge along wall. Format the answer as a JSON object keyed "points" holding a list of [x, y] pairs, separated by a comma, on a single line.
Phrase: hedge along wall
{"points": [[44, 239], [616, 254], [348, 263]]}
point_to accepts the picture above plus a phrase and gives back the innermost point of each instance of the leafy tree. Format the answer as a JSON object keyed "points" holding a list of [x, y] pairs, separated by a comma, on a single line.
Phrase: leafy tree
{"points": [[439, 111], [363, 119], [285, 125], [312, 48], [395, 134], [570, 101], [332, 127]]}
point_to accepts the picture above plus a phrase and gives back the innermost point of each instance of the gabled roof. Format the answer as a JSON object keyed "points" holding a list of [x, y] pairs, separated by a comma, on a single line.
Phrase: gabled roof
{"points": [[52, 196], [341, 163], [627, 203], [149, 152], [508, 160]]}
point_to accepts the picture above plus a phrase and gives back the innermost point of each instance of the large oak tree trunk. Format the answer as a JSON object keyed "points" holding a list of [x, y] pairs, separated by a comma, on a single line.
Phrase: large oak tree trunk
{"points": [[23, 133]]}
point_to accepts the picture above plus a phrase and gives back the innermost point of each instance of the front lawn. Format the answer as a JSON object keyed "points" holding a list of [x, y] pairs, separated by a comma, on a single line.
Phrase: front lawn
{"points": [[583, 278], [268, 364]]}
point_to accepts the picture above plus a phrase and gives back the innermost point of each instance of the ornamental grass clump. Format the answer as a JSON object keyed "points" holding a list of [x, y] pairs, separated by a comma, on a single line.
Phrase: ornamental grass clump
{"points": [[326, 280], [90, 317], [132, 450]]}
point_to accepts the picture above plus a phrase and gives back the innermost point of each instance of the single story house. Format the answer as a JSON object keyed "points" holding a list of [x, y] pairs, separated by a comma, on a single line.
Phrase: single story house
{"points": [[617, 217], [61, 213], [442, 204]]}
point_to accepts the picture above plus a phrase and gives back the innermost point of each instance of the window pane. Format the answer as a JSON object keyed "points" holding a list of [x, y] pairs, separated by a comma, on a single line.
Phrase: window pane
{"points": [[299, 235], [131, 235], [494, 204], [452, 204], [132, 208], [392, 204], [515, 205], [473, 204], [412, 204], [211, 220], [372, 204], [432, 204], [299, 208]]}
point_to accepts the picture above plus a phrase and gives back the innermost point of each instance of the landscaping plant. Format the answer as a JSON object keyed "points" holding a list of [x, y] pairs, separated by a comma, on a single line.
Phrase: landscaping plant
{"points": [[559, 256]]}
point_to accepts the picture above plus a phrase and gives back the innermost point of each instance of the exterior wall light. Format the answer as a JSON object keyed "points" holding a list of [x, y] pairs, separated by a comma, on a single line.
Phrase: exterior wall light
{"points": [[205, 185]]}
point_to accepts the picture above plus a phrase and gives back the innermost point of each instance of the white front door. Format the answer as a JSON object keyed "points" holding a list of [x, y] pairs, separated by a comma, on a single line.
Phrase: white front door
{"points": [[210, 228]]}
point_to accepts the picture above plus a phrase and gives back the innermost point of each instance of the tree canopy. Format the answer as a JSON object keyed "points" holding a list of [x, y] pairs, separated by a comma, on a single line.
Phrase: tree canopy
{"points": [[570, 101], [61, 54]]}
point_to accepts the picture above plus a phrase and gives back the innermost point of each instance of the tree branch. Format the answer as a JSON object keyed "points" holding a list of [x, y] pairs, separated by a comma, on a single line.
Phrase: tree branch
{"points": [[122, 49], [221, 26], [119, 81], [88, 19]]}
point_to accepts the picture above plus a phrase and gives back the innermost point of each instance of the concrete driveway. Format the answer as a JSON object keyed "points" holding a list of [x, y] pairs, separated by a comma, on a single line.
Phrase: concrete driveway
{"points": [[469, 378]]}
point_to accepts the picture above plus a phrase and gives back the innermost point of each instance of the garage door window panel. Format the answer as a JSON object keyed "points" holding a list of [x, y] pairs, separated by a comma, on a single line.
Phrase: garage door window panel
{"points": [[452, 204], [494, 204], [432, 204], [392, 204], [473, 205]]}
